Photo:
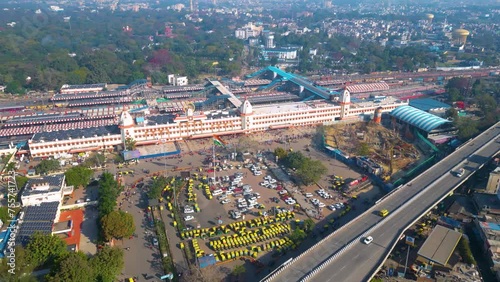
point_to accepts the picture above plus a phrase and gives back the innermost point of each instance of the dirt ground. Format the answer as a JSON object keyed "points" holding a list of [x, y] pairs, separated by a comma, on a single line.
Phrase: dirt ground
{"points": [[375, 141]]}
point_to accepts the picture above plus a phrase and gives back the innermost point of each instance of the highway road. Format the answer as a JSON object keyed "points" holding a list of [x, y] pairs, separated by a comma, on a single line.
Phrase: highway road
{"points": [[354, 261]]}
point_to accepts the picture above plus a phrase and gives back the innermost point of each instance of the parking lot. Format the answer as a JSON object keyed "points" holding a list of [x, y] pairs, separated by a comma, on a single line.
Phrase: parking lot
{"points": [[193, 154]]}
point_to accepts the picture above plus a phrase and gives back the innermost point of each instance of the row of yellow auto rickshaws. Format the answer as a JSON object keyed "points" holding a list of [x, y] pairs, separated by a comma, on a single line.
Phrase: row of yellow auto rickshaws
{"points": [[253, 251], [239, 226], [250, 237], [206, 190]]}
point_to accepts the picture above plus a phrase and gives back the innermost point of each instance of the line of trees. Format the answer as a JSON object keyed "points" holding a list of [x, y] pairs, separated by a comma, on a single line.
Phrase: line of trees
{"points": [[115, 224]]}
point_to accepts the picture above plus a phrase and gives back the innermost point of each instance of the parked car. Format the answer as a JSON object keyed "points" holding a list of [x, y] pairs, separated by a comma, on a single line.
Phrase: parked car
{"points": [[309, 195], [188, 217], [155, 242], [226, 201]]}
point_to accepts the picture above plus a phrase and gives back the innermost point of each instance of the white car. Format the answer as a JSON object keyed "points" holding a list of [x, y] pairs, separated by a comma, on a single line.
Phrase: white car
{"points": [[272, 181], [321, 205], [257, 195], [217, 192], [332, 207], [229, 192], [314, 201], [188, 217], [290, 201], [226, 201], [188, 210], [368, 240], [257, 173], [308, 195], [268, 177], [264, 183], [282, 192]]}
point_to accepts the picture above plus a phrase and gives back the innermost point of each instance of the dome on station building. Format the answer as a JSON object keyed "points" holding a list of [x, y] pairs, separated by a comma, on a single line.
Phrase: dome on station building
{"points": [[126, 120], [246, 108]]}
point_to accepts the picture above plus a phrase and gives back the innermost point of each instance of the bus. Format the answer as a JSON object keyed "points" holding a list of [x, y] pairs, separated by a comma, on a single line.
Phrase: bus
{"points": [[383, 213]]}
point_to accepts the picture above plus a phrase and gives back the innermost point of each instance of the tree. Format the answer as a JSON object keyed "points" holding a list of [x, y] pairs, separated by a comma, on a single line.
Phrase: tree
{"points": [[79, 176], [454, 95], [363, 149], [308, 225], [311, 171], [157, 187], [95, 160], [459, 83], [280, 153], [487, 104], [73, 267], [107, 263], [108, 192], [46, 166], [129, 144], [294, 160], [44, 249], [21, 270], [298, 235], [21, 181], [452, 113], [118, 225], [10, 166], [467, 128]]}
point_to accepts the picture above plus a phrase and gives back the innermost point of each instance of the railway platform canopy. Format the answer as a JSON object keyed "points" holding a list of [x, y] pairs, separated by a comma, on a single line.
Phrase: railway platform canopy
{"points": [[422, 120]]}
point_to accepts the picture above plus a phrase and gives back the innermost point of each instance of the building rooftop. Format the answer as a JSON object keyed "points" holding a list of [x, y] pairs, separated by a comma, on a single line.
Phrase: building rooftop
{"points": [[419, 118], [75, 133], [37, 219], [440, 245], [428, 104], [43, 185]]}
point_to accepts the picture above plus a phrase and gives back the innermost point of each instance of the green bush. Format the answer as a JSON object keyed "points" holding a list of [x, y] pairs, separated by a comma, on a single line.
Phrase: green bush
{"points": [[465, 252]]}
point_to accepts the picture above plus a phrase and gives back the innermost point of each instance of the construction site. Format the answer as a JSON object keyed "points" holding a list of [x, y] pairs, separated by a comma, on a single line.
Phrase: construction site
{"points": [[371, 141]]}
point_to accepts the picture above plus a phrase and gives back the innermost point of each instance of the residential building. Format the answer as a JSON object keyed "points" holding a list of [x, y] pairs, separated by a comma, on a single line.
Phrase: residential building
{"points": [[176, 80], [45, 189]]}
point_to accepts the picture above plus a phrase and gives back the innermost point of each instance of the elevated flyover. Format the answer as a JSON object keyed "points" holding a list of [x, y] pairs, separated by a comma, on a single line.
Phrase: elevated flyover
{"points": [[342, 256], [301, 82], [225, 92]]}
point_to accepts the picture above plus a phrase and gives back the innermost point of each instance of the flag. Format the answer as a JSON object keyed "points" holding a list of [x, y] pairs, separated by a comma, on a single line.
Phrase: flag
{"points": [[218, 141]]}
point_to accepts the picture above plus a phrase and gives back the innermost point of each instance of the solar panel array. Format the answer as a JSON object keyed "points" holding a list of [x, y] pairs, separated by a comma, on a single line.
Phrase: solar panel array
{"points": [[37, 219], [76, 133], [52, 180], [160, 119]]}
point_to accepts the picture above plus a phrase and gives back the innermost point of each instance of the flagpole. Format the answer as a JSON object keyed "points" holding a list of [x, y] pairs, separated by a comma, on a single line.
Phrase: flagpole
{"points": [[213, 157]]}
